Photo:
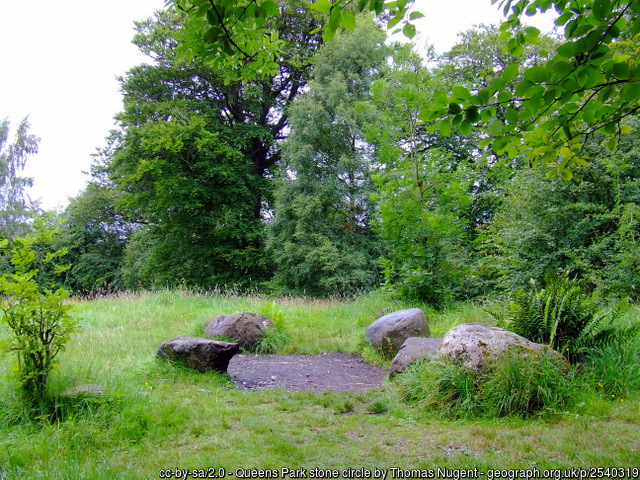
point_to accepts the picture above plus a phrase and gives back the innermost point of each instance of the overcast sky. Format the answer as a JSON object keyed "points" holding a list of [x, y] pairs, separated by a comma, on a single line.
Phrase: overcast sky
{"points": [[60, 61]]}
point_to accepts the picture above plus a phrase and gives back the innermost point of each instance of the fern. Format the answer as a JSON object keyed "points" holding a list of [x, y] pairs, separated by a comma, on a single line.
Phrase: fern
{"points": [[565, 317]]}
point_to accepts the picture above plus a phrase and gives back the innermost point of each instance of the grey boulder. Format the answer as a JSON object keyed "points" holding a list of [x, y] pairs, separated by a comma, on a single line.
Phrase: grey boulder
{"points": [[198, 353], [245, 328], [388, 333], [414, 348], [475, 346]]}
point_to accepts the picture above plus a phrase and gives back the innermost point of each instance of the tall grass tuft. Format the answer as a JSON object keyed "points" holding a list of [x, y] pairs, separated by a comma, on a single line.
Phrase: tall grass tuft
{"points": [[273, 340], [514, 385]]}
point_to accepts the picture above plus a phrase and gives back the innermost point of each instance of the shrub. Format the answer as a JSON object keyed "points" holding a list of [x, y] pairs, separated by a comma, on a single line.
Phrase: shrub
{"points": [[36, 315], [565, 317]]}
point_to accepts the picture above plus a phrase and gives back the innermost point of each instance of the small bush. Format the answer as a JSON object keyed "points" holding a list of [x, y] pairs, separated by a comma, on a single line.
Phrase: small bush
{"points": [[514, 385], [35, 313]]}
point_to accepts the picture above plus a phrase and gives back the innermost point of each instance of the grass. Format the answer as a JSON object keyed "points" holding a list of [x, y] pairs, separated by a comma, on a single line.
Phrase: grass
{"points": [[157, 416]]}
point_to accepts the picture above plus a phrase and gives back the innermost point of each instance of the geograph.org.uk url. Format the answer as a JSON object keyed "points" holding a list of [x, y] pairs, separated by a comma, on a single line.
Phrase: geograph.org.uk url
{"points": [[404, 473]]}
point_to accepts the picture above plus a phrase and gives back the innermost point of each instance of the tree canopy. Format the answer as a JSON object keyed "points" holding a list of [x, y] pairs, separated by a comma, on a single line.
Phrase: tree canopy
{"points": [[590, 83]]}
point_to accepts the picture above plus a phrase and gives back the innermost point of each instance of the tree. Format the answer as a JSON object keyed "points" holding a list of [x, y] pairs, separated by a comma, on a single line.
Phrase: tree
{"points": [[193, 156], [320, 235], [95, 236], [15, 206], [423, 185]]}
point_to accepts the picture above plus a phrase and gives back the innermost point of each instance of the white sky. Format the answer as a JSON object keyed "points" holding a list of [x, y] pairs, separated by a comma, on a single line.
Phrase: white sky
{"points": [[60, 61]]}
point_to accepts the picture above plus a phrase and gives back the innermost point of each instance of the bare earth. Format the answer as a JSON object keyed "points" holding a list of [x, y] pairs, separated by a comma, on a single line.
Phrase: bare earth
{"points": [[330, 370]]}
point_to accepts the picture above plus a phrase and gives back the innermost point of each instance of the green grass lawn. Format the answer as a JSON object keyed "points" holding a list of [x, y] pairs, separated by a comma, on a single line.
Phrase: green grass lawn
{"points": [[155, 416]]}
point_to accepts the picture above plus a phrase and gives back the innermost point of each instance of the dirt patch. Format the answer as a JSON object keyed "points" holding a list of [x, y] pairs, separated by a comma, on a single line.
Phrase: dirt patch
{"points": [[330, 370]]}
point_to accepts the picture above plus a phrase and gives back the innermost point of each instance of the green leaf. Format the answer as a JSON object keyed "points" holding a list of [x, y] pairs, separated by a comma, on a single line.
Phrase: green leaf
{"points": [[409, 30], [465, 127], [461, 93], [567, 50], [445, 126], [496, 84], [415, 15], [486, 114], [523, 87], [472, 115], [454, 108], [621, 70], [499, 144], [495, 128], [328, 34], [601, 9], [512, 116], [510, 72], [565, 173], [484, 95], [322, 6], [212, 35], [536, 74], [271, 7], [440, 99], [211, 18], [348, 20]]}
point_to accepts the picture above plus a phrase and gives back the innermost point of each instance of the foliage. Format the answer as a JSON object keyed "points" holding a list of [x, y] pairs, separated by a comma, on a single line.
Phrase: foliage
{"points": [[590, 83], [95, 236], [422, 184], [615, 370], [320, 235], [15, 207], [191, 160], [190, 184], [587, 85], [239, 37], [274, 340], [565, 317], [587, 228], [35, 313], [150, 412], [514, 385]]}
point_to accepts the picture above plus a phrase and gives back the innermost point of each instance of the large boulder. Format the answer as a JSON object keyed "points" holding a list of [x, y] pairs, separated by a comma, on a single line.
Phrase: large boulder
{"points": [[414, 348], [388, 333], [200, 354], [246, 328], [475, 346]]}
